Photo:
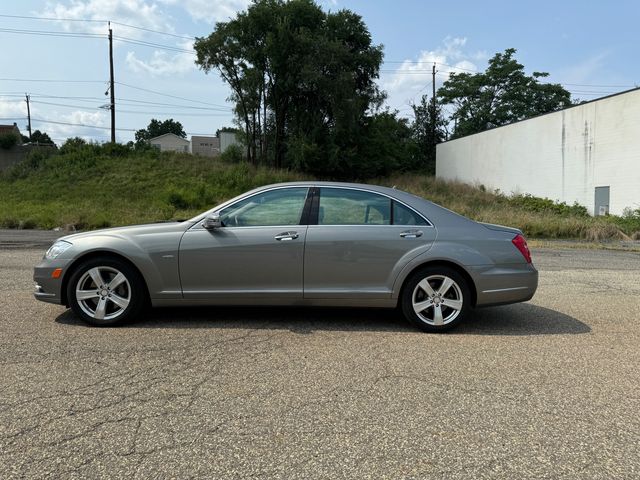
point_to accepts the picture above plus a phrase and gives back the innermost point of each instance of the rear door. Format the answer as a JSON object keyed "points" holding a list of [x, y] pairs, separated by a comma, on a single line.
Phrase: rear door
{"points": [[359, 243]]}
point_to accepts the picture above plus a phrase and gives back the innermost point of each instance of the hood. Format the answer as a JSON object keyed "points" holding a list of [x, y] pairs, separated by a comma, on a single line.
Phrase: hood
{"points": [[131, 230]]}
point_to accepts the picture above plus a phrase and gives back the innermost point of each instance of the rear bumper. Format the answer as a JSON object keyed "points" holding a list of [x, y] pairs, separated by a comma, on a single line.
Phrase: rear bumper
{"points": [[500, 285]]}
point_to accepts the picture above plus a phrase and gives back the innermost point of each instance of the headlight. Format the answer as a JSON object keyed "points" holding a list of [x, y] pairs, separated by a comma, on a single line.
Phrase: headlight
{"points": [[56, 249]]}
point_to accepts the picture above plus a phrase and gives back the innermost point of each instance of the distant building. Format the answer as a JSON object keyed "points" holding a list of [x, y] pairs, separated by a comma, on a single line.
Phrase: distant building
{"points": [[206, 146], [170, 142], [588, 153], [4, 129], [227, 139]]}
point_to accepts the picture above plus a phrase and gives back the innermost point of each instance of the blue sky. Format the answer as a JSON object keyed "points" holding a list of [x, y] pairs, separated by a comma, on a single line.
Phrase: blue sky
{"points": [[590, 46]]}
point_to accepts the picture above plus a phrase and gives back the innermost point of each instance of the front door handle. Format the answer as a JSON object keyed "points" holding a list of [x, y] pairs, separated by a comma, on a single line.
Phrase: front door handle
{"points": [[411, 234], [286, 236]]}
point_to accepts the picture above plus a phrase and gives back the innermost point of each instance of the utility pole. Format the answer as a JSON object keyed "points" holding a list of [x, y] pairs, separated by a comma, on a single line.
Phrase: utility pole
{"points": [[433, 84], [433, 106], [28, 116], [112, 105]]}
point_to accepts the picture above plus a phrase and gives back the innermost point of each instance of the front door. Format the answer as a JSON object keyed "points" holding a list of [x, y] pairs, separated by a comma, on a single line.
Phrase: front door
{"points": [[256, 254]]}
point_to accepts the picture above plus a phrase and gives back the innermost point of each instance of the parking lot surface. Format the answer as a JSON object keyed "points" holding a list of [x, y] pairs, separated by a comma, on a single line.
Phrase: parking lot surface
{"points": [[546, 389]]}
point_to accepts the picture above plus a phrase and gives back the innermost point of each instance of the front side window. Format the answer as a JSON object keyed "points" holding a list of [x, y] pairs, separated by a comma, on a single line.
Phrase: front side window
{"points": [[282, 206], [340, 206]]}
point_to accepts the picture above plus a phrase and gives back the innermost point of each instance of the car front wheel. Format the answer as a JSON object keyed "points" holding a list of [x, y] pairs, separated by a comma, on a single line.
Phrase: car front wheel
{"points": [[106, 291], [435, 299]]}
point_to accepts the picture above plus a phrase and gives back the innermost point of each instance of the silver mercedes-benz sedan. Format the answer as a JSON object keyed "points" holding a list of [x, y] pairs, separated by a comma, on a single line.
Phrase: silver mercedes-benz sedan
{"points": [[303, 243]]}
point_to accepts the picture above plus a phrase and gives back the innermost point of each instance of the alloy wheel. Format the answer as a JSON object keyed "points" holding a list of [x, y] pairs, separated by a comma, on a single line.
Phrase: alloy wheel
{"points": [[437, 300], [103, 293]]}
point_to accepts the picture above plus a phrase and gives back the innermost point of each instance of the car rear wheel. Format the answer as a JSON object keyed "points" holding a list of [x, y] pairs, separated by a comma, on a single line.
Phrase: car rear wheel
{"points": [[106, 291], [435, 299]]}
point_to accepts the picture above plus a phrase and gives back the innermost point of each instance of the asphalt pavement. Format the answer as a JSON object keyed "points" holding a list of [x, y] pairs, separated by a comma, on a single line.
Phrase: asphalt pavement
{"points": [[545, 389]]}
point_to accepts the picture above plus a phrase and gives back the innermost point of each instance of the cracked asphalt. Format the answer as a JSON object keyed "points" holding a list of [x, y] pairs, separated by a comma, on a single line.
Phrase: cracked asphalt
{"points": [[546, 389]]}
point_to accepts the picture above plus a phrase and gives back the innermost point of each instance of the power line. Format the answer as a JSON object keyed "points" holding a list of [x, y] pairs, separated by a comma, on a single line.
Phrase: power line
{"points": [[56, 19], [123, 101], [428, 71], [49, 80], [186, 37], [217, 109], [58, 104], [53, 18], [55, 122], [53, 33], [170, 96], [143, 43], [139, 112]]}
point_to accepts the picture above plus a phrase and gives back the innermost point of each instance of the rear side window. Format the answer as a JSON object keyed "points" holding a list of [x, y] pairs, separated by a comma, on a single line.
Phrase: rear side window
{"points": [[340, 206], [405, 216]]}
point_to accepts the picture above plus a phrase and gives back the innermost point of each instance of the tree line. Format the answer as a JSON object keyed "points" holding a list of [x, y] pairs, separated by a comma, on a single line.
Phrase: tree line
{"points": [[305, 96]]}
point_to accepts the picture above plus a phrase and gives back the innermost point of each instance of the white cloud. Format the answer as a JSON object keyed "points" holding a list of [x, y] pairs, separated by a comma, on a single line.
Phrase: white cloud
{"points": [[140, 13], [412, 78], [13, 110], [60, 132], [161, 63], [210, 11]]}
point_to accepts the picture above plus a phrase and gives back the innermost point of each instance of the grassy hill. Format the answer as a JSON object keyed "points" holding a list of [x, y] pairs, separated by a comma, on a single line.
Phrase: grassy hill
{"points": [[93, 187]]}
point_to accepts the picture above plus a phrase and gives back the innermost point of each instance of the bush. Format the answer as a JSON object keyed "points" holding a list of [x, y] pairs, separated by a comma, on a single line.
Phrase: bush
{"points": [[117, 149], [8, 140], [233, 154], [537, 204], [34, 160], [72, 145]]}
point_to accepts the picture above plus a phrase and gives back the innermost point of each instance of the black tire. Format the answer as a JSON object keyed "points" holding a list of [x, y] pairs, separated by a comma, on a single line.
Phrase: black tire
{"points": [[107, 304], [456, 295]]}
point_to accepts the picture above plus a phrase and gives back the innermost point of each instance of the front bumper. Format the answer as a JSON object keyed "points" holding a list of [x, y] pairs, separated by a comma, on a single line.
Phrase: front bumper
{"points": [[47, 288]]}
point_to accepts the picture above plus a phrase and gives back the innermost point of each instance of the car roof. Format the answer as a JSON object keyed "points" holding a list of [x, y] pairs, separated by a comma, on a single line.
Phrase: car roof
{"points": [[363, 186]]}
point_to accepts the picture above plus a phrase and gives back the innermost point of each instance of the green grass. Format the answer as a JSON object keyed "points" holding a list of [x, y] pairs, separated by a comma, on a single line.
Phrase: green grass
{"points": [[92, 187], [101, 191]]}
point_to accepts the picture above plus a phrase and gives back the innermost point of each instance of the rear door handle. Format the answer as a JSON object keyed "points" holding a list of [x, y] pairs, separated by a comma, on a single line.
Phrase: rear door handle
{"points": [[286, 236], [411, 234]]}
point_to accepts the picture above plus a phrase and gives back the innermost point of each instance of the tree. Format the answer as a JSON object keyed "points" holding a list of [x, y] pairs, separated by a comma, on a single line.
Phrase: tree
{"points": [[502, 94], [157, 128], [41, 138], [428, 129], [227, 130], [302, 80]]}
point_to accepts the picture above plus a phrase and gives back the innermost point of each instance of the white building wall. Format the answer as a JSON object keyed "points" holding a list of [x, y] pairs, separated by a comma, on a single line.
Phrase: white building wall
{"points": [[227, 139], [170, 143], [207, 146], [562, 155]]}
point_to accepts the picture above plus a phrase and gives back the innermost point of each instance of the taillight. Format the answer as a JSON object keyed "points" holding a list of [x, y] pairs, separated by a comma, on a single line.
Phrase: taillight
{"points": [[521, 244]]}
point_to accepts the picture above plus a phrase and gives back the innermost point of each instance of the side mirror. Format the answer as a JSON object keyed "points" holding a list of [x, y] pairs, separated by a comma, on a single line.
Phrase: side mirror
{"points": [[212, 221]]}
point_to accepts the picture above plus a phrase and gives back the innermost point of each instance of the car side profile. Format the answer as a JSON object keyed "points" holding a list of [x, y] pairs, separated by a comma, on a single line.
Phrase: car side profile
{"points": [[301, 243]]}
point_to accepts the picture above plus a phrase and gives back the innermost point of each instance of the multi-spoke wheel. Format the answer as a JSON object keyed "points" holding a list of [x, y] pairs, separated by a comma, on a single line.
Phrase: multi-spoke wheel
{"points": [[105, 291], [435, 299]]}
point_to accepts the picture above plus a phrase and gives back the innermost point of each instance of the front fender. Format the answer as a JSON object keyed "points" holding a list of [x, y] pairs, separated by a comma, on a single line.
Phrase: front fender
{"points": [[156, 257]]}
